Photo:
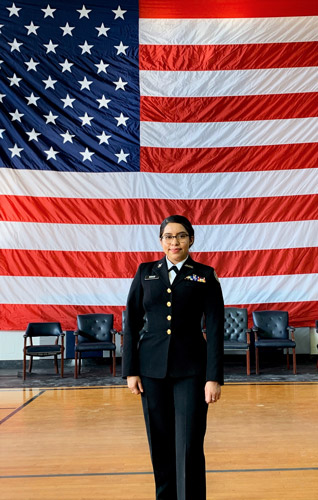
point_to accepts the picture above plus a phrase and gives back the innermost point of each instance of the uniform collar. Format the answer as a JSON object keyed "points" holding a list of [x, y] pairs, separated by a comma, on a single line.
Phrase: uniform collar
{"points": [[179, 265]]}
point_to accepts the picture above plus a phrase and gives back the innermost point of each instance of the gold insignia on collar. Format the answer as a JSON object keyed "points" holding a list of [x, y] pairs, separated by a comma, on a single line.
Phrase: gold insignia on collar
{"points": [[159, 265], [188, 265]]}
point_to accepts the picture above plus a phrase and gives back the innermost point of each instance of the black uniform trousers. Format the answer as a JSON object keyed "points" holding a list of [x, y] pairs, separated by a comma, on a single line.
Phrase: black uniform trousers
{"points": [[175, 414]]}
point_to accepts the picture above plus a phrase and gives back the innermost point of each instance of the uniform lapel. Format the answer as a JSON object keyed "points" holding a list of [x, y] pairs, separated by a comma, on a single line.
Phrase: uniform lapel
{"points": [[161, 269], [186, 269]]}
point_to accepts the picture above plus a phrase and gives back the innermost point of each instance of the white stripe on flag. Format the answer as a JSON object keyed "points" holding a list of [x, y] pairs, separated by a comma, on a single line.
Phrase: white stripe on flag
{"points": [[229, 134], [144, 238], [227, 31], [224, 185], [228, 83], [113, 292]]}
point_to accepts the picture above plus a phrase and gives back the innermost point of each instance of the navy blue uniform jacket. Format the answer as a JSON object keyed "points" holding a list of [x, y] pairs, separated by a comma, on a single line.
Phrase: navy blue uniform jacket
{"points": [[163, 331]]}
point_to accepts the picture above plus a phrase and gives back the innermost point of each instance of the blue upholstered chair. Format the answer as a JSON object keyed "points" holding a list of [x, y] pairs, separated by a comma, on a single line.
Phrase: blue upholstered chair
{"points": [[95, 333], [43, 350], [237, 333], [272, 331]]}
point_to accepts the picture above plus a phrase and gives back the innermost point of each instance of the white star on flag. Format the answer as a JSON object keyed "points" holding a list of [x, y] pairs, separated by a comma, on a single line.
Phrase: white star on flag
{"points": [[14, 11], [121, 48], [51, 153], [14, 80], [121, 156], [31, 28], [68, 101], [31, 65], [49, 83], [15, 45], [87, 154], [86, 48], [86, 120], [102, 30], [84, 12], [67, 29], [120, 84], [121, 120], [33, 135], [16, 116], [103, 102], [50, 47], [103, 138], [32, 99], [15, 151], [48, 12], [66, 66], [101, 66], [119, 13], [67, 137], [1, 132], [50, 118], [2, 96], [85, 83]]}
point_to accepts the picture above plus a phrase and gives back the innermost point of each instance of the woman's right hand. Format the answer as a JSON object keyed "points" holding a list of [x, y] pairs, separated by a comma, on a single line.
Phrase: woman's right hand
{"points": [[134, 384]]}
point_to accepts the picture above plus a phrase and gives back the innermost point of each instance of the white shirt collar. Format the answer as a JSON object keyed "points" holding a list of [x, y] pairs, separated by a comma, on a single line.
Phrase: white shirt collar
{"points": [[179, 265]]}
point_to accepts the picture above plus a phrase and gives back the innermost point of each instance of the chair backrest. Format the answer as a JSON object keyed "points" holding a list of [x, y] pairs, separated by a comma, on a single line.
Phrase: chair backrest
{"points": [[271, 324], [235, 324], [95, 327], [44, 329]]}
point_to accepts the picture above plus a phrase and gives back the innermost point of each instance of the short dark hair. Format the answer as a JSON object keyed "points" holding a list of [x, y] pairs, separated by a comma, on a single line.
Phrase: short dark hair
{"points": [[178, 219]]}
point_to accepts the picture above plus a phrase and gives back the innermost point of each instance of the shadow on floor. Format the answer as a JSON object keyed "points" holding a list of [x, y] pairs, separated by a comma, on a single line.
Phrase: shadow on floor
{"points": [[96, 372]]}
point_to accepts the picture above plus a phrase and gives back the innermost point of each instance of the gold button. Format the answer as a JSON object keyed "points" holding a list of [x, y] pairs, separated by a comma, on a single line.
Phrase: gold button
{"points": [[169, 318], [169, 332], [169, 290], [168, 304]]}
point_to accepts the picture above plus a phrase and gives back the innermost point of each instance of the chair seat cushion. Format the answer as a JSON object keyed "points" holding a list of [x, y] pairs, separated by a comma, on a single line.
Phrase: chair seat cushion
{"points": [[95, 346], [235, 345], [275, 343], [43, 350]]}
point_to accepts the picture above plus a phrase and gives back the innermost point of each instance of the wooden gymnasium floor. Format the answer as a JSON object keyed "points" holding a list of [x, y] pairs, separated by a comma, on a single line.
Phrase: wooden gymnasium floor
{"points": [[90, 443]]}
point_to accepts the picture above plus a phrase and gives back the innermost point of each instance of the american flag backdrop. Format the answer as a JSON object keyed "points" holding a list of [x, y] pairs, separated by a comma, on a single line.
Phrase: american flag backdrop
{"points": [[115, 115]]}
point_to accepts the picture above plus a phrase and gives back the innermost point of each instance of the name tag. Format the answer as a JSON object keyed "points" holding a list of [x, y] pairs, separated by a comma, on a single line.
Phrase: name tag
{"points": [[151, 277]]}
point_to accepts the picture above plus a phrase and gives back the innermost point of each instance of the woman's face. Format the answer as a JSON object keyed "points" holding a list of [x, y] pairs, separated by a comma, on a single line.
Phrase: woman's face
{"points": [[176, 249]]}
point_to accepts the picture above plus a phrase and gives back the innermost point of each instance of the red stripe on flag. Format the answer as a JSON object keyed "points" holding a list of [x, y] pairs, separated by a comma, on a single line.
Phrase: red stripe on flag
{"points": [[150, 211], [228, 108], [17, 317], [125, 264], [228, 159], [183, 9], [227, 57]]}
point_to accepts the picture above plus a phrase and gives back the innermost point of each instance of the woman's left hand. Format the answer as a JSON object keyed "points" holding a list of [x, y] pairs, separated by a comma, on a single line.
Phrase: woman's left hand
{"points": [[212, 392]]}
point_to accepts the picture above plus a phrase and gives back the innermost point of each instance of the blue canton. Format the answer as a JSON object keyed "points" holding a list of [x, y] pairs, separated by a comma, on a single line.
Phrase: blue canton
{"points": [[69, 85]]}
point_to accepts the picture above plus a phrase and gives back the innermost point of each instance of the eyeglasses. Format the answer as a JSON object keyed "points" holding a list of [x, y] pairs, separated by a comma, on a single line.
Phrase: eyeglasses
{"points": [[168, 238]]}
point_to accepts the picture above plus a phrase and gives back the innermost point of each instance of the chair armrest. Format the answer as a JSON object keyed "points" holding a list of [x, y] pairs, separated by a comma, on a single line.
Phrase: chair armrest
{"points": [[114, 332], [291, 331], [255, 331], [248, 335]]}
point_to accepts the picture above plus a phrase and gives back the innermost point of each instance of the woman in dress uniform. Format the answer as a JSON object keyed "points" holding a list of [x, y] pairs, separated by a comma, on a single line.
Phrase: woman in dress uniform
{"points": [[167, 360]]}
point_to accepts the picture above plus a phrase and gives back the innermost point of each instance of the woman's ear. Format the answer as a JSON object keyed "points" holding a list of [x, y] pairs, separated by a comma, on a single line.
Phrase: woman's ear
{"points": [[191, 241]]}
